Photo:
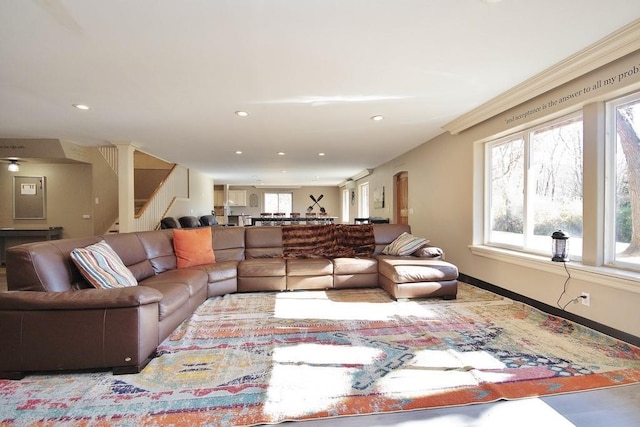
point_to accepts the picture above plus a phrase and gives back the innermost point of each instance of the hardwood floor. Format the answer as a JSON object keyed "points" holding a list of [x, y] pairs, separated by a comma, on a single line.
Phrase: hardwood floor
{"points": [[618, 407]]}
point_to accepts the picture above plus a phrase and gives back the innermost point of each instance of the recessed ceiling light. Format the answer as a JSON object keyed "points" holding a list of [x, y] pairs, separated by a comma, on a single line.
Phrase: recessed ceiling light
{"points": [[320, 154], [242, 113], [238, 152], [283, 171], [281, 153], [377, 118], [82, 106]]}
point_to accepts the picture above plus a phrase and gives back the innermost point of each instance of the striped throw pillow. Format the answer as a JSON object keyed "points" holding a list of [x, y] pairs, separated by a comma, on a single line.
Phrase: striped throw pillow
{"points": [[404, 244], [102, 267]]}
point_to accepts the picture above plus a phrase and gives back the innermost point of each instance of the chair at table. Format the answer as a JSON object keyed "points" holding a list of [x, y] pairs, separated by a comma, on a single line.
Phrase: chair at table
{"points": [[278, 218], [208, 220], [324, 218], [311, 218], [295, 218], [265, 218], [189, 222], [169, 222]]}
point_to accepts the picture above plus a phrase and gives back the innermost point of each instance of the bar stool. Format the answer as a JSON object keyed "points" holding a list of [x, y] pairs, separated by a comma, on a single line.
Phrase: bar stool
{"points": [[265, 218], [311, 218], [278, 218], [295, 218]]}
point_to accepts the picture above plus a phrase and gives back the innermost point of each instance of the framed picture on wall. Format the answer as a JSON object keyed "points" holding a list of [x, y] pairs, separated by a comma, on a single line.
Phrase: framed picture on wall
{"points": [[378, 198], [29, 199]]}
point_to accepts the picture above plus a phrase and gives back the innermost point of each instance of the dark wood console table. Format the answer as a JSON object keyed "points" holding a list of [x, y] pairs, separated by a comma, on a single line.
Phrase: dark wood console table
{"points": [[23, 235], [371, 220]]}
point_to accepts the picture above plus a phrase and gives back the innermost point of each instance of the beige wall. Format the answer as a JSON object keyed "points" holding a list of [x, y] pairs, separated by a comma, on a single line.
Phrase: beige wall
{"points": [[200, 199], [446, 189], [67, 197]]}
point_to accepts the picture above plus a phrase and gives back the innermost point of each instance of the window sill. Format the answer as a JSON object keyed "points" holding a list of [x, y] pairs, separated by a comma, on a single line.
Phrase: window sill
{"points": [[628, 281]]}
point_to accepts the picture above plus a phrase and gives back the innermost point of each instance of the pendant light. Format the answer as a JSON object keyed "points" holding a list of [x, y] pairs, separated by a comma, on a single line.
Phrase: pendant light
{"points": [[13, 166]]}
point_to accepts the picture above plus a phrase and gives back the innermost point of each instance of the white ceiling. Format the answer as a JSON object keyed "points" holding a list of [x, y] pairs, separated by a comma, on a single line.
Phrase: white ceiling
{"points": [[168, 75]]}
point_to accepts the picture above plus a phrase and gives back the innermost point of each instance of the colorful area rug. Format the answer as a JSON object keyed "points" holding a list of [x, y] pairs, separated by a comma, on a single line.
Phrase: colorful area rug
{"points": [[248, 359]]}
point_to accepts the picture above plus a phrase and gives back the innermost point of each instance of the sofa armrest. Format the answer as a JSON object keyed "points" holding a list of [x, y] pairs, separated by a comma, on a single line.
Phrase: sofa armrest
{"points": [[85, 329], [85, 299]]}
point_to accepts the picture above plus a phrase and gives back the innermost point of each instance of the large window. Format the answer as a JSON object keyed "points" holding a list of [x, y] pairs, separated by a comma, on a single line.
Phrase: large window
{"points": [[278, 202], [623, 231], [534, 187], [363, 200], [345, 205]]}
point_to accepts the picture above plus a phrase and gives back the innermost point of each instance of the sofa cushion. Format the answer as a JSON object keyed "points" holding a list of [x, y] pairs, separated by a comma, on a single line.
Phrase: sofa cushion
{"points": [[174, 296], [413, 269], [194, 279], [193, 247], [219, 271], [354, 266], [102, 267], [309, 267], [262, 267], [404, 244], [132, 253], [228, 243], [263, 242], [387, 233]]}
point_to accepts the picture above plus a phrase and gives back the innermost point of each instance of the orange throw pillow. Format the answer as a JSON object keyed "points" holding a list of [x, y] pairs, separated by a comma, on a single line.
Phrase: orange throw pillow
{"points": [[193, 246]]}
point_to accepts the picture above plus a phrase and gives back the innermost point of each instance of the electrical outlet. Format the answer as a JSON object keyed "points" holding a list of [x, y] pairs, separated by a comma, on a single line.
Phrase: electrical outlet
{"points": [[585, 298]]}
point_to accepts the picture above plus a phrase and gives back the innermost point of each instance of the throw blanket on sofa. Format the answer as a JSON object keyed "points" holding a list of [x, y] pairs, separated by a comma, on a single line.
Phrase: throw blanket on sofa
{"points": [[328, 241]]}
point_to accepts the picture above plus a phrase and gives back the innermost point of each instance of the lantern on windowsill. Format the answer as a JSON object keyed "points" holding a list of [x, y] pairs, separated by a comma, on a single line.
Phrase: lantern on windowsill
{"points": [[560, 246]]}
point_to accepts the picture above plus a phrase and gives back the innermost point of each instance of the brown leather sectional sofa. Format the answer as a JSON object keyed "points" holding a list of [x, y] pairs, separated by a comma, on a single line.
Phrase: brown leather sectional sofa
{"points": [[51, 320]]}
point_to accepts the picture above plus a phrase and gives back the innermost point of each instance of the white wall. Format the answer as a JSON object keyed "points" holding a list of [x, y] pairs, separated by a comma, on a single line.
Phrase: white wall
{"points": [[445, 190], [200, 200]]}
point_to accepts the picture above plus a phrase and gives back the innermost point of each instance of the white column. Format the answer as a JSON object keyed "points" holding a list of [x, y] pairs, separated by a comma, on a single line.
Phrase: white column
{"points": [[126, 200]]}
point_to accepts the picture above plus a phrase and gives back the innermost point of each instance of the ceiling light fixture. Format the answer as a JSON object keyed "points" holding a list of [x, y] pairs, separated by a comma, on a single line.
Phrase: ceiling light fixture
{"points": [[377, 118], [82, 106], [238, 152], [281, 153], [242, 113], [13, 166], [320, 154]]}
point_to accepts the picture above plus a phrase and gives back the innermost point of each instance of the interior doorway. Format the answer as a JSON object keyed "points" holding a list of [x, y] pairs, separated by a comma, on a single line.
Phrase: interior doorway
{"points": [[401, 190]]}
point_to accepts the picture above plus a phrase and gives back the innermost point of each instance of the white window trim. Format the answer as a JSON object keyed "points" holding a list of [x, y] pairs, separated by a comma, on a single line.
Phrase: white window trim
{"points": [[610, 259], [525, 135], [604, 276], [345, 205]]}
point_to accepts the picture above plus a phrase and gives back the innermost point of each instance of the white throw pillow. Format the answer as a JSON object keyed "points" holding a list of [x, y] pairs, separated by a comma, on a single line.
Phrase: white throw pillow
{"points": [[404, 244]]}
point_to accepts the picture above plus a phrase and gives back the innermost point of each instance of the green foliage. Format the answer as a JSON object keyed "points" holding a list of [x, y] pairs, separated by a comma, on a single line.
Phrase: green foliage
{"points": [[623, 223], [508, 222], [548, 222]]}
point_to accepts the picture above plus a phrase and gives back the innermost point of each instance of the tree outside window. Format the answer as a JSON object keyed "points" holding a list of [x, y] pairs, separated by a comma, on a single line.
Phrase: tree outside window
{"points": [[527, 204], [626, 237]]}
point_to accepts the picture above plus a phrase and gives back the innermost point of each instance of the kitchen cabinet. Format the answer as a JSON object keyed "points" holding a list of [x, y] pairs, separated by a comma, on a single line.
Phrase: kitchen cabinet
{"points": [[237, 197], [218, 197]]}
